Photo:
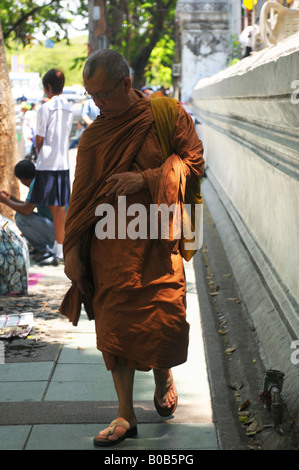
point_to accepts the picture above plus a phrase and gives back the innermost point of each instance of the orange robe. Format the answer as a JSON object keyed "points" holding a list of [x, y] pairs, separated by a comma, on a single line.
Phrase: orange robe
{"points": [[136, 289]]}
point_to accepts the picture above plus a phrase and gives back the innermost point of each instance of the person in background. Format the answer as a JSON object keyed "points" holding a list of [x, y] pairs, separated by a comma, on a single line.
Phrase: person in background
{"points": [[29, 130], [79, 131], [37, 227], [52, 182], [89, 112], [158, 94]]}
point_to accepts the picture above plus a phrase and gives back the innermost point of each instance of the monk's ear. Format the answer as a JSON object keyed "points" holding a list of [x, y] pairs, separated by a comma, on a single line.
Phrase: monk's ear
{"points": [[127, 84]]}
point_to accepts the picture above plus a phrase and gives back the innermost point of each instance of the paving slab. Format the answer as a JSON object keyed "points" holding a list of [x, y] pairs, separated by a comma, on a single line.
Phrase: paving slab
{"points": [[62, 404], [13, 437], [23, 391], [31, 371], [57, 394], [150, 437]]}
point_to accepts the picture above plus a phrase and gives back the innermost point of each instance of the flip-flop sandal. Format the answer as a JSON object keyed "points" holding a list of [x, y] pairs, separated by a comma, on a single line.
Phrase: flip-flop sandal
{"points": [[130, 432], [164, 411]]}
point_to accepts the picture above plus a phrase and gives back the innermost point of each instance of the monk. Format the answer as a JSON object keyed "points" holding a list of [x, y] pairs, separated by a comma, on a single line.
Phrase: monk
{"points": [[133, 286]]}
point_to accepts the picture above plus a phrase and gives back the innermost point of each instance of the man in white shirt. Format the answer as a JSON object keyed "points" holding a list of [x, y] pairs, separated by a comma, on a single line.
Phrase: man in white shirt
{"points": [[52, 183]]}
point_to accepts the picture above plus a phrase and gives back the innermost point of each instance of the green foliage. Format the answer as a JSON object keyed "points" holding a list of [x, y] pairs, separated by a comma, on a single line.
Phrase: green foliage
{"points": [[233, 62], [133, 23], [39, 58], [235, 50], [134, 29], [159, 69], [22, 19]]}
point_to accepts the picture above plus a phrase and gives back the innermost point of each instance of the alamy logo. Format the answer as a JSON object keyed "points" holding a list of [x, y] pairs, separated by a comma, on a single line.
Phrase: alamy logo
{"points": [[295, 354], [135, 222], [294, 95]]}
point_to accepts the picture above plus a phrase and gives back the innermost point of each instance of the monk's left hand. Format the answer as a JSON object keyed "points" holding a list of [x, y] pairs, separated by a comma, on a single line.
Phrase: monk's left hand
{"points": [[125, 183]]}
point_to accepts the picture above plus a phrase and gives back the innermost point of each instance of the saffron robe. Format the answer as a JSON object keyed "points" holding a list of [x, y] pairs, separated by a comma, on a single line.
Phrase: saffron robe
{"points": [[135, 288]]}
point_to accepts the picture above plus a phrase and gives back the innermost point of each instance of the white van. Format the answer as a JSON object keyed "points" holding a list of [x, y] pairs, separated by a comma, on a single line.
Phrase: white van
{"points": [[26, 84]]}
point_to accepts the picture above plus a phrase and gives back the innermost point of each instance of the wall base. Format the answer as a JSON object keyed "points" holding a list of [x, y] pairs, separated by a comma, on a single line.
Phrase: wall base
{"points": [[257, 283]]}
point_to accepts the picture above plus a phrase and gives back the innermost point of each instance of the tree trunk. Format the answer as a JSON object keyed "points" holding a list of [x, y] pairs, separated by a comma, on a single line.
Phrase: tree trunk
{"points": [[8, 135], [142, 58]]}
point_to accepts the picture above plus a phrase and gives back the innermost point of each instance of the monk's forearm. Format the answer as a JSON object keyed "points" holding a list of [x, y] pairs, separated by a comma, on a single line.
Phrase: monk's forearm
{"points": [[73, 266]]}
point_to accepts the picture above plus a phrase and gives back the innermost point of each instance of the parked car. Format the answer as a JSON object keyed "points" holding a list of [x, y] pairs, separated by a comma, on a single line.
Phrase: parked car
{"points": [[74, 94]]}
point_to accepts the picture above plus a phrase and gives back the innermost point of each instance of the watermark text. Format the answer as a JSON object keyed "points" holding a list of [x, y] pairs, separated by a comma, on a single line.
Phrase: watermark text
{"points": [[295, 354], [295, 94], [160, 221]]}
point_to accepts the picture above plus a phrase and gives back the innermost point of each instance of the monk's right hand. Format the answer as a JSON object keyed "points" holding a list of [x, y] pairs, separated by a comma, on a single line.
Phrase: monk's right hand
{"points": [[74, 268]]}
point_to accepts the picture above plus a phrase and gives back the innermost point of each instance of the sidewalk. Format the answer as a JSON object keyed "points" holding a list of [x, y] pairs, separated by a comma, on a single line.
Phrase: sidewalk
{"points": [[57, 394]]}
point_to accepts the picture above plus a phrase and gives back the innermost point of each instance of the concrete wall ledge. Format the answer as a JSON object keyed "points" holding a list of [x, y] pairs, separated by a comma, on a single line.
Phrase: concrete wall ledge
{"points": [[249, 127], [267, 57]]}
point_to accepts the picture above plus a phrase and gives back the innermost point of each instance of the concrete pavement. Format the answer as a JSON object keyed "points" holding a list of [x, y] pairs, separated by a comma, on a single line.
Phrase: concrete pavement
{"points": [[61, 396], [55, 392]]}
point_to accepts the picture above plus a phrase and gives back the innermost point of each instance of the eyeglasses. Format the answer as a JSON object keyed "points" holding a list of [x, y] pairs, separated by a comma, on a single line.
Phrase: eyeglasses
{"points": [[102, 96]]}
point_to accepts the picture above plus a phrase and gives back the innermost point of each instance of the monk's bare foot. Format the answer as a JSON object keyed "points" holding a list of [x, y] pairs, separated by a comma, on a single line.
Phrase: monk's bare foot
{"points": [[165, 392], [116, 431], [111, 434]]}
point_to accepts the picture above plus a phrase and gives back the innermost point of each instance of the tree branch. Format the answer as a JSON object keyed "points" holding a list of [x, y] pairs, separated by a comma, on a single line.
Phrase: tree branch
{"points": [[24, 18]]}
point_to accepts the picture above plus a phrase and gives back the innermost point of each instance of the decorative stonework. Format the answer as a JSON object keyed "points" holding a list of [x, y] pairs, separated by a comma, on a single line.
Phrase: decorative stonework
{"points": [[206, 43], [203, 27], [192, 7]]}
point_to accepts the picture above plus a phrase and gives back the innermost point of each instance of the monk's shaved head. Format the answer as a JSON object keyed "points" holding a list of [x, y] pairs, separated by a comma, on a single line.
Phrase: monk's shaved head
{"points": [[111, 61]]}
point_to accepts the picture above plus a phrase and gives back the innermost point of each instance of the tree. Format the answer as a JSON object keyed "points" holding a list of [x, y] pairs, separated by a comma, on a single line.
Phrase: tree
{"points": [[134, 29], [159, 68], [22, 19], [8, 136], [39, 58]]}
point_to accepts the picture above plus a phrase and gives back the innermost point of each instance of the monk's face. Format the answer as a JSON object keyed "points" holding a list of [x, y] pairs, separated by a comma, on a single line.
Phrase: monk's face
{"points": [[111, 96]]}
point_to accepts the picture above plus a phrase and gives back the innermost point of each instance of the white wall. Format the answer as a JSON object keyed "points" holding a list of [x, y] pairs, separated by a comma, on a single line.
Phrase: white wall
{"points": [[203, 27], [250, 134]]}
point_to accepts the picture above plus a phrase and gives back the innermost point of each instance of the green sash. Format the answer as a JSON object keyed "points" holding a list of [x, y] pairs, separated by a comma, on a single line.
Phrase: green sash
{"points": [[165, 111]]}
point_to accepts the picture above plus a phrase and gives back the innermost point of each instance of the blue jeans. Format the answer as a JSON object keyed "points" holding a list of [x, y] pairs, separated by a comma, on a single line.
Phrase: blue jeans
{"points": [[73, 144], [39, 231]]}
